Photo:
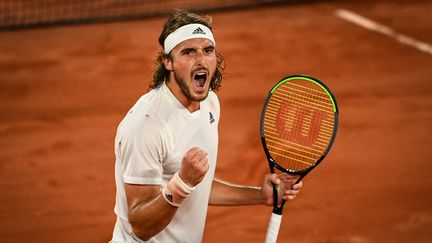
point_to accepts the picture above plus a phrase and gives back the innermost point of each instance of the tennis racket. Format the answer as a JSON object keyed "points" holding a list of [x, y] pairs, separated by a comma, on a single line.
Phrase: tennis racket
{"points": [[298, 126]]}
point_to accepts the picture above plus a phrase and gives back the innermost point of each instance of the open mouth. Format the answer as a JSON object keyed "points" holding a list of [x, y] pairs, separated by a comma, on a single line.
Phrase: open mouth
{"points": [[200, 79]]}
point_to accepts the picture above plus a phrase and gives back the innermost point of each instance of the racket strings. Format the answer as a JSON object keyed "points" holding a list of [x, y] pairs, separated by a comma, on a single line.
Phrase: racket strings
{"points": [[298, 124], [305, 97], [322, 136], [290, 117]]}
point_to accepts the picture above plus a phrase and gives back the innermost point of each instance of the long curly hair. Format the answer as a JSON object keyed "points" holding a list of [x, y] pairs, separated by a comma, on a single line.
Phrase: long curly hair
{"points": [[176, 20]]}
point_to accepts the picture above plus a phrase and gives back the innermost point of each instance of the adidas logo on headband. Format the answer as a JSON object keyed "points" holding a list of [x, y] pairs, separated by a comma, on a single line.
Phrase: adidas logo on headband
{"points": [[199, 31]]}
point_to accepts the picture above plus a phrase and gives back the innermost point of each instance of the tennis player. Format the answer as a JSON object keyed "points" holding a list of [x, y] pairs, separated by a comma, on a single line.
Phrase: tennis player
{"points": [[166, 146]]}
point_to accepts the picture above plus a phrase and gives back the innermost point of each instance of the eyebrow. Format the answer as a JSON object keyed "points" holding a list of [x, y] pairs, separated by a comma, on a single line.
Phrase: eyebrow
{"points": [[209, 47], [186, 49]]}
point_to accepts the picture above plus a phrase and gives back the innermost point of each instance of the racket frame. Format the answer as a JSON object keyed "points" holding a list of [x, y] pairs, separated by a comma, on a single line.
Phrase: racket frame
{"points": [[272, 163]]}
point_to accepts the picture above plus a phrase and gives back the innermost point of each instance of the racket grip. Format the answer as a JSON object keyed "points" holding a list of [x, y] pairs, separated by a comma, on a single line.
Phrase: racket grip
{"points": [[273, 228]]}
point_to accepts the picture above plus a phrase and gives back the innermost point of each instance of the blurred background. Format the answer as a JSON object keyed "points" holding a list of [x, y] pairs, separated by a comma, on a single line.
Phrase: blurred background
{"points": [[70, 70]]}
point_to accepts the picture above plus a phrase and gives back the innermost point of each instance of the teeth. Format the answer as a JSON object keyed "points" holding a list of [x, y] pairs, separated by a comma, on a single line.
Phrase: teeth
{"points": [[200, 77]]}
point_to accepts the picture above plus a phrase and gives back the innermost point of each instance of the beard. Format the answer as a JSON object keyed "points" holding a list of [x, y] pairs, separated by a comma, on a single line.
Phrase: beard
{"points": [[185, 89]]}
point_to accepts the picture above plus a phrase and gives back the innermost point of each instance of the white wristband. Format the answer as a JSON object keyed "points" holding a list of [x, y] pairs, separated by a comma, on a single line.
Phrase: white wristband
{"points": [[169, 197], [184, 186], [176, 191]]}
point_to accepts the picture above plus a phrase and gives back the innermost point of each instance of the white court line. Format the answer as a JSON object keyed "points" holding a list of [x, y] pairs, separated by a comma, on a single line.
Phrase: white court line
{"points": [[374, 26]]}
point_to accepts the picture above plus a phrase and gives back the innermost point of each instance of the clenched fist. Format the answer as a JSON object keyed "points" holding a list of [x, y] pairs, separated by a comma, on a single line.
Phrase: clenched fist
{"points": [[194, 166]]}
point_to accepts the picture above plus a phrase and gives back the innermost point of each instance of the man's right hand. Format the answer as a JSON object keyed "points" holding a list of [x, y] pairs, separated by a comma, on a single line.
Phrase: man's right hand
{"points": [[194, 166]]}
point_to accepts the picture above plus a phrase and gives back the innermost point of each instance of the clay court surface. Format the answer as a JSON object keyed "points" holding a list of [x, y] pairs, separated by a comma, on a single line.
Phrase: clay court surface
{"points": [[63, 91]]}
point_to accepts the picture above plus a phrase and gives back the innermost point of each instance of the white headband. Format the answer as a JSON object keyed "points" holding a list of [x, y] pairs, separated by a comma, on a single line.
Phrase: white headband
{"points": [[187, 32]]}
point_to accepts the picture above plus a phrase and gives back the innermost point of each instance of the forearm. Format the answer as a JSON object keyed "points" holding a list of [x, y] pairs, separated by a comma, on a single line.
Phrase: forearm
{"points": [[228, 194], [150, 211], [150, 216]]}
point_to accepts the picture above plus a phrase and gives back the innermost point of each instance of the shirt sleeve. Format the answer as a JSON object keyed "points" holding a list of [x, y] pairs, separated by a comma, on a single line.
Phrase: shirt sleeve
{"points": [[142, 150]]}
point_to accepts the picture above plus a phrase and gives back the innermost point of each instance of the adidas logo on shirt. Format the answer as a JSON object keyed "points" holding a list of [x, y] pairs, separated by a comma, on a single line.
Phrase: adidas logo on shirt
{"points": [[211, 118], [198, 31]]}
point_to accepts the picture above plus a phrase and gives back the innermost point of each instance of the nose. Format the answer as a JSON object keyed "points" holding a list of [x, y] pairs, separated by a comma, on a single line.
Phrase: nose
{"points": [[200, 58]]}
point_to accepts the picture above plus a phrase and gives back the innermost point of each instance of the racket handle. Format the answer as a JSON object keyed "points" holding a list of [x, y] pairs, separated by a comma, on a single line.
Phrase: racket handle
{"points": [[273, 228]]}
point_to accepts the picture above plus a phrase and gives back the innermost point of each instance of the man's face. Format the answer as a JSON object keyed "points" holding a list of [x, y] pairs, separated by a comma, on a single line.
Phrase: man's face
{"points": [[193, 64]]}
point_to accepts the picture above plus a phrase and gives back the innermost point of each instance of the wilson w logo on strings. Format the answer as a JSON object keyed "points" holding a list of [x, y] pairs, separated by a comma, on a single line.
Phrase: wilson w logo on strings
{"points": [[299, 124], [301, 116]]}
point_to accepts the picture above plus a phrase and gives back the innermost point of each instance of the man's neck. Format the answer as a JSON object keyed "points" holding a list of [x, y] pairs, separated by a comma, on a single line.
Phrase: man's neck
{"points": [[189, 104]]}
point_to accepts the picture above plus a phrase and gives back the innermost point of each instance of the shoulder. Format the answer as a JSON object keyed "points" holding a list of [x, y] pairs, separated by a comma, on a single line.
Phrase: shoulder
{"points": [[212, 96], [213, 102], [142, 118]]}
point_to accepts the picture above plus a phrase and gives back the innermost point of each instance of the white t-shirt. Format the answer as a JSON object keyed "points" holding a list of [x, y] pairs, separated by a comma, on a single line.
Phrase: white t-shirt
{"points": [[149, 146]]}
